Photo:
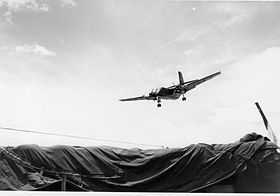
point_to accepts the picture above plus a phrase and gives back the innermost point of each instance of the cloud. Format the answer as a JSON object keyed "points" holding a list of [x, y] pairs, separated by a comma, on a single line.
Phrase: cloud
{"points": [[65, 3], [236, 13], [13, 6], [34, 49], [34, 5], [8, 17], [188, 52], [252, 79], [16, 5]]}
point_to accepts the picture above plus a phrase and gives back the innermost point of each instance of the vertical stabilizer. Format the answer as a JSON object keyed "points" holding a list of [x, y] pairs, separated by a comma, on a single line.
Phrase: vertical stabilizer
{"points": [[181, 79], [271, 134]]}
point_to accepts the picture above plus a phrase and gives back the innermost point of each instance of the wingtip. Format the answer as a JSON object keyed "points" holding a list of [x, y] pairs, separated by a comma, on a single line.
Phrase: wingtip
{"points": [[217, 73]]}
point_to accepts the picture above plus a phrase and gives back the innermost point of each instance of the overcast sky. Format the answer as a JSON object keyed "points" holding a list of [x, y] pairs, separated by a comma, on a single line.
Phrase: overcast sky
{"points": [[65, 63]]}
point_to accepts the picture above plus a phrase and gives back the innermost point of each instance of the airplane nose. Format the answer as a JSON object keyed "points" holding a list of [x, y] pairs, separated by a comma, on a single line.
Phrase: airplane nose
{"points": [[178, 90]]}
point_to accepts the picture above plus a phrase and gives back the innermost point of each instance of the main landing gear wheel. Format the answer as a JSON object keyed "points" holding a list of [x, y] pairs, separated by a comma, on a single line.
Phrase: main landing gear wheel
{"points": [[184, 99]]}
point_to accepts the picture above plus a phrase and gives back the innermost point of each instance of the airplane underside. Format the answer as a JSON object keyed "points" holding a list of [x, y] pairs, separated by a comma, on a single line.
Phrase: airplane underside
{"points": [[169, 97], [172, 97]]}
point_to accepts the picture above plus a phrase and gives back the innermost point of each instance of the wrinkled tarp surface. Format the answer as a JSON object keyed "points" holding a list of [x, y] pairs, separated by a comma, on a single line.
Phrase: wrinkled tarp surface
{"points": [[185, 169]]}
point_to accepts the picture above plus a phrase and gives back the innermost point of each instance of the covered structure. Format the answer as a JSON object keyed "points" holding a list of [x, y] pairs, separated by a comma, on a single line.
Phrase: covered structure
{"points": [[251, 164]]}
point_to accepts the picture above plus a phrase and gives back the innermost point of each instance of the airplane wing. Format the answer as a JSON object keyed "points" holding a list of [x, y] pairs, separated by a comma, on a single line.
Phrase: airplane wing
{"points": [[197, 81], [206, 78], [187, 82], [138, 98]]}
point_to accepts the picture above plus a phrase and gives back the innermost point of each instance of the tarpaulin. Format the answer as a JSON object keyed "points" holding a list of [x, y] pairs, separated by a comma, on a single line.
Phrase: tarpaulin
{"points": [[187, 169]]}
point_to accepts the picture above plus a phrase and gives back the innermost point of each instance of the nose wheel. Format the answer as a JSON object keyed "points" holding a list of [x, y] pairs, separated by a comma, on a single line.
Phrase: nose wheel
{"points": [[158, 102], [184, 98]]}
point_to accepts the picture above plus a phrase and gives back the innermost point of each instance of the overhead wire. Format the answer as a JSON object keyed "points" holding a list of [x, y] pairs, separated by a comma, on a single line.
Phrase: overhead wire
{"points": [[78, 137]]}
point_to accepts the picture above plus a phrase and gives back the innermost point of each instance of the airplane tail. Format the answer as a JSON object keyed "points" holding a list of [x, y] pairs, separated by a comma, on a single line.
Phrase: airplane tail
{"points": [[181, 79]]}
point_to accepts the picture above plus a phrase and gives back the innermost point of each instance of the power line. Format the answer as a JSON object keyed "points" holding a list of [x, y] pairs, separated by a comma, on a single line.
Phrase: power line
{"points": [[76, 137]]}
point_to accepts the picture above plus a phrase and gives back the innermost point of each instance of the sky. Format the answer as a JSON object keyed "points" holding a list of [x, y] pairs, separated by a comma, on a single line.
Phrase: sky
{"points": [[66, 63]]}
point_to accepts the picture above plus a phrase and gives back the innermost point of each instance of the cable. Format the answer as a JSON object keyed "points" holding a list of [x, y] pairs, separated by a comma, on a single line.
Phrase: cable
{"points": [[77, 137]]}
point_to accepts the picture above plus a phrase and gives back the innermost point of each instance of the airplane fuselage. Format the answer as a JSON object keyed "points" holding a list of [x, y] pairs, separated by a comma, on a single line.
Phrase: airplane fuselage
{"points": [[175, 93], [173, 96]]}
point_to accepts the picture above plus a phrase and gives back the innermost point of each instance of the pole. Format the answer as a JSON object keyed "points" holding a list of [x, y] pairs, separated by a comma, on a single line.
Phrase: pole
{"points": [[63, 183], [271, 133], [262, 114]]}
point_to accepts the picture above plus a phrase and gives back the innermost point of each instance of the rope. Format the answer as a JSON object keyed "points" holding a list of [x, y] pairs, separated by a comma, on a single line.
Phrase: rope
{"points": [[78, 137]]}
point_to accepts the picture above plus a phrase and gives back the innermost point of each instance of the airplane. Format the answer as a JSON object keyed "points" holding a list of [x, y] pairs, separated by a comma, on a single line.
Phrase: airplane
{"points": [[172, 92]]}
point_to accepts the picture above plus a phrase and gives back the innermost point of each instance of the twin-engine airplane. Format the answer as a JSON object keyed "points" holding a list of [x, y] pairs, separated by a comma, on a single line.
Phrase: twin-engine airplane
{"points": [[173, 92]]}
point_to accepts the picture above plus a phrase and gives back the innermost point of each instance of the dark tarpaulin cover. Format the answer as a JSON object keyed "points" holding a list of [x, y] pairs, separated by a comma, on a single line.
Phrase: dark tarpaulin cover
{"points": [[185, 169]]}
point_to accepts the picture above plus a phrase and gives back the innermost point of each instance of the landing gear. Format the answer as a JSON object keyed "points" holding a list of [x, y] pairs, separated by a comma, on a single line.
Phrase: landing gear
{"points": [[158, 102], [184, 98]]}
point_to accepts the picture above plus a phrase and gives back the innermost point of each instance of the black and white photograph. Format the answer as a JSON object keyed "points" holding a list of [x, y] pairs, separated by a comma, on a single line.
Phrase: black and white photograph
{"points": [[125, 97]]}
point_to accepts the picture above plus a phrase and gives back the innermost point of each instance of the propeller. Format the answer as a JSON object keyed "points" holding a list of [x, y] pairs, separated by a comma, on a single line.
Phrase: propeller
{"points": [[153, 92]]}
